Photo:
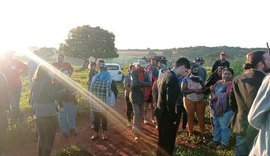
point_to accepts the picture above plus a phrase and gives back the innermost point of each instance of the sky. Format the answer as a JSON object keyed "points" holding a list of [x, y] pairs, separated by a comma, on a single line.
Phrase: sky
{"points": [[137, 24]]}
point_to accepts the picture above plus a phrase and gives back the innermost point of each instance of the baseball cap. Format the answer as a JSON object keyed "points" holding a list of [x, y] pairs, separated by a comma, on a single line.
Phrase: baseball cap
{"points": [[142, 63]]}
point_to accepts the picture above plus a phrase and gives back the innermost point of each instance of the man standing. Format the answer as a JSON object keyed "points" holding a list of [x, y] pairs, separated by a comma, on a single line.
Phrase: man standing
{"points": [[245, 88], [168, 91], [60, 64], [12, 69], [221, 62], [139, 81]]}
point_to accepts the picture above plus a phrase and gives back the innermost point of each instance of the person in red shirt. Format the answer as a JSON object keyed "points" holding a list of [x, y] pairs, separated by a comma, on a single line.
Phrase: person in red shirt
{"points": [[60, 64], [12, 69]]}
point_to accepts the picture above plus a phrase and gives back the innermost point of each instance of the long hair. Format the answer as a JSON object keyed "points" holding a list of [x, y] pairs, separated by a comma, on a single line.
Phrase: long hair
{"points": [[42, 73], [4, 96]]}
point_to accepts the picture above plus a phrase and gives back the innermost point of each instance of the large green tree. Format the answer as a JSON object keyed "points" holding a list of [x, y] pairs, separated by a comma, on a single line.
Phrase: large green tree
{"points": [[84, 42]]}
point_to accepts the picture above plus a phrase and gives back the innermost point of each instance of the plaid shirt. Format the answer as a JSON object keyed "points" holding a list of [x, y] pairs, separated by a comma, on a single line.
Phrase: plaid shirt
{"points": [[99, 89]]}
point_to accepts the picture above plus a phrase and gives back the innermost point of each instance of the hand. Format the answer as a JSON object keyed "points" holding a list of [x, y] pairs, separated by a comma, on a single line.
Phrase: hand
{"points": [[212, 88]]}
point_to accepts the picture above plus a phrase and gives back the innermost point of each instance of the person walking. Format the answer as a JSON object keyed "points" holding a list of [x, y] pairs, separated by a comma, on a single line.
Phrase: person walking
{"points": [[42, 99], [245, 89], [167, 119], [127, 84], [139, 81], [101, 85]]}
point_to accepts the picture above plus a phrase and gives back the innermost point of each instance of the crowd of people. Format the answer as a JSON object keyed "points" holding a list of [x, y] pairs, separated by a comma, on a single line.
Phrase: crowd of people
{"points": [[154, 93]]}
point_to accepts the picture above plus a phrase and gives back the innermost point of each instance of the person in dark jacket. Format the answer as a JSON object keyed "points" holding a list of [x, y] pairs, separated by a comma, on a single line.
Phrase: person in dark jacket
{"points": [[43, 96], [127, 84], [4, 107], [139, 81], [245, 88], [221, 62], [167, 118]]}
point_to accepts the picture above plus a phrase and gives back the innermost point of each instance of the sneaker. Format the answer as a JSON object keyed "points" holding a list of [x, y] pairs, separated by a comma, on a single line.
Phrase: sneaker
{"points": [[136, 138], [94, 137], [128, 124], [222, 147], [213, 144], [145, 122]]}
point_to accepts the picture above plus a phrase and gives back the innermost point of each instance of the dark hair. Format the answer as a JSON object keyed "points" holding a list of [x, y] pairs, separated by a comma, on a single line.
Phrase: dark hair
{"points": [[130, 66], [253, 58], [61, 55], [101, 61], [42, 73], [93, 64], [229, 69], [182, 61]]}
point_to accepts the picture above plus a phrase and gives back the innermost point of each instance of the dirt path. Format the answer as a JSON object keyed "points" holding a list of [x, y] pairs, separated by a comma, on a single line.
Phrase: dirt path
{"points": [[120, 141]]}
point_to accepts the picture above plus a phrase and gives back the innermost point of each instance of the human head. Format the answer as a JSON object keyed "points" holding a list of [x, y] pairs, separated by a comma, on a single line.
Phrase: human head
{"points": [[101, 65], [131, 67], [93, 65], [227, 74], [61, 58], [141, 64], [42, 73], [154, 61], [257, 60], [219, 70], [195, 70], [223, 55], [181, 66]]}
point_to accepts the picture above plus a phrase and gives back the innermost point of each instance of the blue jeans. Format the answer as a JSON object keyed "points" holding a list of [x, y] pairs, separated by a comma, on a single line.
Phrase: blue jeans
{"points": [[67, 117], [242, 147], [222, 132]]}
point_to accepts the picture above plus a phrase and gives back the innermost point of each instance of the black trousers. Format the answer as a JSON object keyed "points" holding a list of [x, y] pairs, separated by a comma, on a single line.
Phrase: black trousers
{"points": [[46, 127], [3, 129], [182, 113], [100, 116], [129, 109], [166, 136]]}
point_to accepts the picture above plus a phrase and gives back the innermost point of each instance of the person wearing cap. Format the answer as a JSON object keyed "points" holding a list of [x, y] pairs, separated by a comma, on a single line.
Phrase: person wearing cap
{"points": [[221, 62], [166, 113], [202, 71], [139, 81], [101, 84], [245, 89], [13, 68]]}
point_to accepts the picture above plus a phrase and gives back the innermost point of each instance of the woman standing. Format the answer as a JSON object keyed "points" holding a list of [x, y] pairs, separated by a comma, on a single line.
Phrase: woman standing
{"points": [[127, 84], [193, 88], [4, 106], [43, 96], [222, 111]]}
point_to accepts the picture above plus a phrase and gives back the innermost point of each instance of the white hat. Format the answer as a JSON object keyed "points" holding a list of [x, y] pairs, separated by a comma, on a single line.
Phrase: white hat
{"points": [[142, 63]]}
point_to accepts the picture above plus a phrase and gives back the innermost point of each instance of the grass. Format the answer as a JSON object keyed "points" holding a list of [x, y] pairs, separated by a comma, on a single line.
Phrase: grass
{"points": [[27, 126]]}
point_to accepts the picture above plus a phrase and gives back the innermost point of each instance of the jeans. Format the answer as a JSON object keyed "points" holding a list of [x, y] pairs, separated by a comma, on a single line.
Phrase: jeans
{"points": [[46, 127], [222, 132], [241, 146], [138, 116], [67, 117], [100, 116], [129, 109]]}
